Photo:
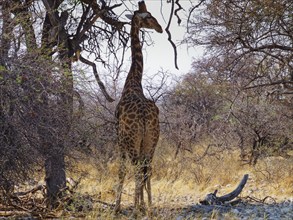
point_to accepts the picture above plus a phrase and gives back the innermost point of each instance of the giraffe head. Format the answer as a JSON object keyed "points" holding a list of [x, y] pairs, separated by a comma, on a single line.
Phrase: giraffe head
{"points": [[144, 19]]}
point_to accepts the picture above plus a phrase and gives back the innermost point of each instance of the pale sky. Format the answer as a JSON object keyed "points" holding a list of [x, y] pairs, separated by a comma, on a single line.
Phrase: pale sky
{"points": [[160, 55]]}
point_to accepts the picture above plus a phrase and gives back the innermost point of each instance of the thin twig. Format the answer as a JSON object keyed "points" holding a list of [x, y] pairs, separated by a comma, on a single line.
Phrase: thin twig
{"points": [[176, 12], [33, 190]]}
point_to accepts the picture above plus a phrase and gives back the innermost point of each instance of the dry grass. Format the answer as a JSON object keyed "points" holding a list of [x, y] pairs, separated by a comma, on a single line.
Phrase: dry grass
{"points": [[182, 181]]}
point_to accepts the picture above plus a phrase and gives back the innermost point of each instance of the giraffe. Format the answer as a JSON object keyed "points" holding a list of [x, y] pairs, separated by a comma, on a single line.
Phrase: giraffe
{"points": [[137, 117]]}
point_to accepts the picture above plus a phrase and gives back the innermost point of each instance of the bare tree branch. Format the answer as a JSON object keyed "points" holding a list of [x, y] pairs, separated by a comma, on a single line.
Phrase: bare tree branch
{"points": [[279, 82], [235, 192], [212, 199], [170, 37], [177, 10], [191, 11], [100, 83]]}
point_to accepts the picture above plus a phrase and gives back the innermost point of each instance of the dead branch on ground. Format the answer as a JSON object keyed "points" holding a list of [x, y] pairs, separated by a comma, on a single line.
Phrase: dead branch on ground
{"points": [[213, 199]]}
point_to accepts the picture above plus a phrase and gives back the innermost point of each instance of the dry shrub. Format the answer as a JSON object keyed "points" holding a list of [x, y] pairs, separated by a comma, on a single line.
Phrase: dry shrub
{"points": [[276, 175]]}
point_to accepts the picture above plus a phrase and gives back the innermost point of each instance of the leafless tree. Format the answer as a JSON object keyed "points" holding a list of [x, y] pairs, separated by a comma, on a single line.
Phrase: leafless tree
{"points": [[260, 31]]}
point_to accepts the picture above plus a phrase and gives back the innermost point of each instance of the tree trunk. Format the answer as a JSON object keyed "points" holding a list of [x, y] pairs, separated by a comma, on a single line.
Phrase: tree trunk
{"points": [[55, 177]]}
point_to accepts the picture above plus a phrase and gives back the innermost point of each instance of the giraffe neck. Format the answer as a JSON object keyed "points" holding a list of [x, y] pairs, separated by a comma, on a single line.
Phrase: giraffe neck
{"points": [[134, 77]]}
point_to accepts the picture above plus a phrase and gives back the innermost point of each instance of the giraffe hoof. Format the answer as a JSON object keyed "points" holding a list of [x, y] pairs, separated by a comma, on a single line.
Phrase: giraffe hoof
{"points": [[116, 211], [142, 210]]}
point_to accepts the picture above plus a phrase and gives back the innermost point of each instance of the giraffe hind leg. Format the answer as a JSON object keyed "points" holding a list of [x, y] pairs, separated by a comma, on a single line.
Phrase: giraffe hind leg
{"points": [[139, 187], [148, 185], [122, 173], [147, 170]]}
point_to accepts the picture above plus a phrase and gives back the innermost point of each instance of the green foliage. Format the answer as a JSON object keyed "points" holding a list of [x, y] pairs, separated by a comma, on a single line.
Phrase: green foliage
{"points": [[2, 68]]}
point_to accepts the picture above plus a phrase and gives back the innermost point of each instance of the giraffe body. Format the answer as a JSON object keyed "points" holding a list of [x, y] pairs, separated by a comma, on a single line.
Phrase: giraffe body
{"points": [[137, 117]]}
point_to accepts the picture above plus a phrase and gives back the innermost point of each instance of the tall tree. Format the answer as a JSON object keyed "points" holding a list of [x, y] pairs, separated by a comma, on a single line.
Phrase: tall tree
{"points": [[37, 89]]}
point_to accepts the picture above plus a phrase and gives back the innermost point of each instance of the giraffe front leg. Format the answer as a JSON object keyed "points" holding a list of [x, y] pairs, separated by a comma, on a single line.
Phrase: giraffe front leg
{"points": [[122, 173]]}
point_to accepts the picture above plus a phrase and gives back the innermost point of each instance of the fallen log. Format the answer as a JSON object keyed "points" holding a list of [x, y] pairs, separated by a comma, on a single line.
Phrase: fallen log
{"points": [[213, 199]]}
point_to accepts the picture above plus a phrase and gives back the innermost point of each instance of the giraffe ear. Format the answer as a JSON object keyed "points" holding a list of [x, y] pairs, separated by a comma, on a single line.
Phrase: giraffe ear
{"points": [[129, 16]]}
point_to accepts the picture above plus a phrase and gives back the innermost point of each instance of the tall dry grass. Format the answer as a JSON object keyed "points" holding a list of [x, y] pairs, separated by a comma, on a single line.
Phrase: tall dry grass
{"points": [[183, 180]]}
